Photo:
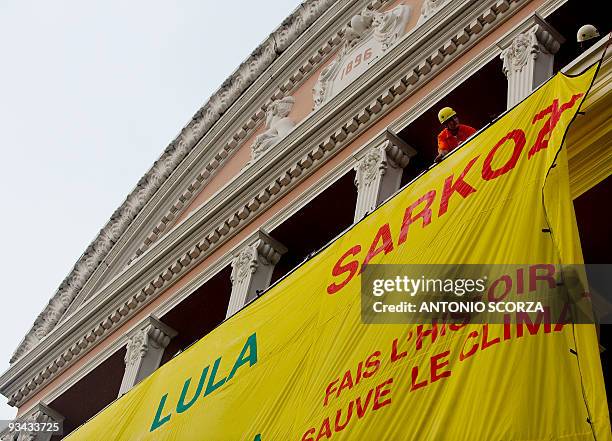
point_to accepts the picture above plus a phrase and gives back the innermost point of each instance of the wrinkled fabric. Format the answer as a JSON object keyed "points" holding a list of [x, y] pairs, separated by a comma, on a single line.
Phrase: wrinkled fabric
{"points": [[298, 363]]}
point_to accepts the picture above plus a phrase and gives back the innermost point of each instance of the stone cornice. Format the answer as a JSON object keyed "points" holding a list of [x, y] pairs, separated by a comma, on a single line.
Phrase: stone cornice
{"points": [[218, 105], [394, 77], [203, 163]]}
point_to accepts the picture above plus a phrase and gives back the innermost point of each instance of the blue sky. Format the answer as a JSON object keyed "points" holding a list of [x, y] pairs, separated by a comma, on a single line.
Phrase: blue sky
{"points": [[91, 93]]}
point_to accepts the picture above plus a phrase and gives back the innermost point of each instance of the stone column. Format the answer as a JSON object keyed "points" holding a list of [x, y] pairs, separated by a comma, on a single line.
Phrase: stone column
{"points": [[379, 173], [145, 348], [528, 54], [252, 269], [40, 414]]}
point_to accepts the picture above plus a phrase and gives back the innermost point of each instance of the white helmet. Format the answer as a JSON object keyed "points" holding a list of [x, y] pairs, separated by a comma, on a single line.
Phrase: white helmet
{"points": [[587, 32]]}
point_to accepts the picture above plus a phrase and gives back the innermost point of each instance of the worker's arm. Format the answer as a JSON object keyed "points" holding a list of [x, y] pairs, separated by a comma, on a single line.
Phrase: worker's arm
{"points": [[443, 148]]}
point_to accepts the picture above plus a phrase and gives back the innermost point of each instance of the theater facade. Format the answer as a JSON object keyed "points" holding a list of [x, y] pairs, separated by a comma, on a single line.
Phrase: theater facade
{"points": [[334, 113]]}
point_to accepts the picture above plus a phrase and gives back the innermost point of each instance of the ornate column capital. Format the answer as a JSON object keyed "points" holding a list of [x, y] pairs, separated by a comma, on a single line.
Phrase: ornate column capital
{"points": [[538, 38], [151, 334], [144, 350], [370, 167], [252, 268], [261, 248], [41, 414], [378, 172], [527, 54], [244, 263]]}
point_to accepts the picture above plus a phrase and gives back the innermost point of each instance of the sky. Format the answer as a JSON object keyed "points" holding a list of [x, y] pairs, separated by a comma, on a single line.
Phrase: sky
{"points": [[90, 95]]}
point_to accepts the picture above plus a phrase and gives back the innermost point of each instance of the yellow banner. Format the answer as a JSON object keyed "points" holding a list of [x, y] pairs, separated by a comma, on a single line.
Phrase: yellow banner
{"points": [[299, 364]]}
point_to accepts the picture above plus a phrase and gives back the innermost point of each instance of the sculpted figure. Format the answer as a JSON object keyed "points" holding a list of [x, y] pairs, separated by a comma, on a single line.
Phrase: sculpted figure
{"points": [[360, 25], [371, 31], [278, 125], [429, 8]]}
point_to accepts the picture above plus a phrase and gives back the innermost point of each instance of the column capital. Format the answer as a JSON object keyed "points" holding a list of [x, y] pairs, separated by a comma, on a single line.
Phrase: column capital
{"points": [[252, 268], [398, 151], [40, 413], [528, 54], [144, 350], [530, 39], [391, 151], [260, 248], [151, 333], [378, 172]]}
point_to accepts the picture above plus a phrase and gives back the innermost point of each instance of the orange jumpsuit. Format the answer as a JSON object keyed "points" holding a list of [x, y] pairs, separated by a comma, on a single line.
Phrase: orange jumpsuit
{"points": [[448, 142]]}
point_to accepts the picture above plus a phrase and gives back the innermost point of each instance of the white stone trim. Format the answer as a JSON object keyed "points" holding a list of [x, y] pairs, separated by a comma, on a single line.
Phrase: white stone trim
{"points": [[252, 268], [40, 413], [176, 242], [217, 106], [378, 173], [144, 350]]}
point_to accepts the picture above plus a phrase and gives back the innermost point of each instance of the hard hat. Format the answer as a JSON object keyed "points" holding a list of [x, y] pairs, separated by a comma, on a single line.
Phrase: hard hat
{"points": [[445, 114], [587, 32]]}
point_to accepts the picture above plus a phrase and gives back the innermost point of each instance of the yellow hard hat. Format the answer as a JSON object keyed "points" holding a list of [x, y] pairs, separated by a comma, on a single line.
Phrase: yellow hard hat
{"points": [[445, 114], [587, 32]]}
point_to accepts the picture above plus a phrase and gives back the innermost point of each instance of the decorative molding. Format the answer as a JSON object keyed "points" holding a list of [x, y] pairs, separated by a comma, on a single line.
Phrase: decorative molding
{"points": [[429, 9], [40, 414], [278, 125], [379, 173], [252, 269], [528, 57], [291, 160], [369, 35], [298, 76], [144, 351], [233, 142], [176, 151]]}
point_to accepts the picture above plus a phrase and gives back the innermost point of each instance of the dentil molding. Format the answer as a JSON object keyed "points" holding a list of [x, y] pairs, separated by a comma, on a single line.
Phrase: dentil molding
{"points": [[177, 150], [303, 163]]}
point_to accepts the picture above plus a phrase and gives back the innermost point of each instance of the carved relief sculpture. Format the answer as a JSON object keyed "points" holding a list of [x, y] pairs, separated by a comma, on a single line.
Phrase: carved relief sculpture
{"points": [[244, 264], [278, 125], [429, 8], [388, 26], [172, 156], [369, 35], [528, 59], [359, 28], [528, 44]]}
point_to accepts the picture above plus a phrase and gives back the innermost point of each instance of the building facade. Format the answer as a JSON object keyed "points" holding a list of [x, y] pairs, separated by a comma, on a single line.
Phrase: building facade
{"points": [[331, 115]]}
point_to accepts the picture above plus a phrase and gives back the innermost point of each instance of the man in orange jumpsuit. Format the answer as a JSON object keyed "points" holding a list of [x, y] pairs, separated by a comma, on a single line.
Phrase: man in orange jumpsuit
{"points": [[454, 133]]}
